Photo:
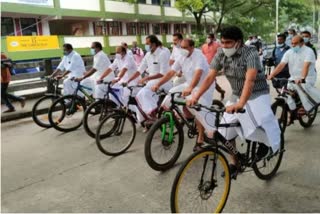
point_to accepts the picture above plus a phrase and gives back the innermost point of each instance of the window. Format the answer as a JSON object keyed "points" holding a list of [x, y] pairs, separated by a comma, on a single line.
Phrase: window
{"points": [[184, 29], [144, 28], [165, 29], [7, 27], [155, 2], [132, 28], [28, 26], [114, 28], [177, 28], [142, 2], [166, 3], [100, 28], [156, 29]]}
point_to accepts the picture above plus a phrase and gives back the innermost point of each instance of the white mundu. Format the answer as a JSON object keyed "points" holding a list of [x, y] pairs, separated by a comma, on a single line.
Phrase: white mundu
{"points": [[156, 62], [296, 61], [73, 63], [175, 56], [188, 66]]}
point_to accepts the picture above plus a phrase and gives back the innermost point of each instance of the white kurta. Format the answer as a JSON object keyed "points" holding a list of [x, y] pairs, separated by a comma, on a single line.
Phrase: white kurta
{"points": [[156, 62], [188, 66], [296, 62], [73, 63], [175, 56]]}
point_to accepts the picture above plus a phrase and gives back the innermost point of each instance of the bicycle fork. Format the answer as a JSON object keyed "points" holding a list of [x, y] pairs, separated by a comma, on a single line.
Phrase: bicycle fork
{"points": [[168, 136]]}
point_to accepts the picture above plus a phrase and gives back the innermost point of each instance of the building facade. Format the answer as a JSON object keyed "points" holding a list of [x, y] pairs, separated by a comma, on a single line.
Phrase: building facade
{"points": [[80, 22]]}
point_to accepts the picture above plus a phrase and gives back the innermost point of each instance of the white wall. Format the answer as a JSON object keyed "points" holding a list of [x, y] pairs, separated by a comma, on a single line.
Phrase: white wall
{"points": [[48, 3], [149, 1], [149, 10], [45, 27], [83, 42], [168, 11], [92, 5], [116, 40], [115, 6]]}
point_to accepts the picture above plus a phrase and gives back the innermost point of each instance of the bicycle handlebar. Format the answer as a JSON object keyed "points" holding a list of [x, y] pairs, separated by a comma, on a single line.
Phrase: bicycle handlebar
{"points": [[214, 109]]}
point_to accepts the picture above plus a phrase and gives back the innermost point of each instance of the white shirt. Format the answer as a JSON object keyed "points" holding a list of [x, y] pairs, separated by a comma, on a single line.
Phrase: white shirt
{"points": [[101, 63], [156, 62], [129, 52], [73, 63], [175, 53], [297, 60], [188, 65], [125, 62]]}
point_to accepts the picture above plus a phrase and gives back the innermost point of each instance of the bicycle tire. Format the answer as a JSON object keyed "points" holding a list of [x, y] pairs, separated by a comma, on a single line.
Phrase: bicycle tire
{"points": [[283, 120], [204, 189], [109, 137], [76, 100], [157, 126], [37, 112], [104, 108], [267, 176], [311, 118]]}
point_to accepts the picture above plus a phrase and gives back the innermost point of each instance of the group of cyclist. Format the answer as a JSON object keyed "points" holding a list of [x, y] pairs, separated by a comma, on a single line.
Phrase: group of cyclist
{"points": [[193, 72]]}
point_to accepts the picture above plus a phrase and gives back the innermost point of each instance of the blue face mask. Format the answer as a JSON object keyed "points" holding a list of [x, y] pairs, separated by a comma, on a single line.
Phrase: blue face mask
{"points": [[93, 51], [306, 39], [296, 49], [147, 48], [280, 45]]}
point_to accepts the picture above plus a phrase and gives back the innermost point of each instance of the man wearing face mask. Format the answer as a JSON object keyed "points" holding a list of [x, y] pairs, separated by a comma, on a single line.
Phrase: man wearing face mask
{"points": [[307, 41], [127, 67], [291, 34], [194, 67], [137, 53], [156, 62], [277, 54], [301, 61], [73, 67], [177, 39], [100, 63], [250, 91]]}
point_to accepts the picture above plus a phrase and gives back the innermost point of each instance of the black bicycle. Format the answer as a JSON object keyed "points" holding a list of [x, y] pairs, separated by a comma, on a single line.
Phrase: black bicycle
{"points": [[202, 184], [66, 113], [41, 108], [165, 138], [282, 110]]}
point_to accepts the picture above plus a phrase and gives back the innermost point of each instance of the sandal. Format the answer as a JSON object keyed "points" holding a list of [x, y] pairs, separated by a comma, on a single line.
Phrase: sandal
{"points": [[197, 147]]}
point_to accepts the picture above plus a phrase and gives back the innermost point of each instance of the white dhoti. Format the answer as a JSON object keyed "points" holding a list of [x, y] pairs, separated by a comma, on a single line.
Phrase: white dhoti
{"points": [[205, 117], [308, 94], [178, 80], [147, 99], [258, 123], [69, 86]]}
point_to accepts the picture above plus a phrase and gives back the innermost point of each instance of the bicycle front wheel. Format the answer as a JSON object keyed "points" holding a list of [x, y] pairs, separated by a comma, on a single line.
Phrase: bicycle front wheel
{"points": [[40, 110], [94, 114], [66, 113], [162, 150], [281, 113], [115, 134], [199, 186]]}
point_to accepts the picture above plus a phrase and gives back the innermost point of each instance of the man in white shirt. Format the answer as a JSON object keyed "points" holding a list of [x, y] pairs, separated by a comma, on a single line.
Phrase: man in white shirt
{"points": [[73, 67], [127, 67], [100, 63], [195, 68], [156, 62], [129, 52], [301, 61], [177, 39]]}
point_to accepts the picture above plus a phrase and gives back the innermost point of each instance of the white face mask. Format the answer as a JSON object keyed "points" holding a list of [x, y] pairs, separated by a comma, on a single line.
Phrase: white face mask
{"points": [[230, 51], [118, 56], [184, 52]]}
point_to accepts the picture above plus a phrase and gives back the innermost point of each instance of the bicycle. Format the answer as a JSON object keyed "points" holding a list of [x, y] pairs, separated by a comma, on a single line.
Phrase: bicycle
{"points": [[167, 135], [66, 113], [41, 108], [205, 179], [281, 109], [118, 129]]}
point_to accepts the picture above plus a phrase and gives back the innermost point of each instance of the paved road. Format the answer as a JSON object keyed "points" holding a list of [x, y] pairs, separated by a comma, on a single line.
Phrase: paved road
{"points": [[48, 171]]}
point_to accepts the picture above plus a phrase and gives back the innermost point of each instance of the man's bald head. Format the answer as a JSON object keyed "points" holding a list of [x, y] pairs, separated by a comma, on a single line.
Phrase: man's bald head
{"points": [[297, 40], [187, 43]]}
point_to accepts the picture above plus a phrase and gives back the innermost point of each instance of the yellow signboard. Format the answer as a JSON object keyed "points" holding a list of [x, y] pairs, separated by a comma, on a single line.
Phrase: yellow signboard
{"points": [[31, 43]]}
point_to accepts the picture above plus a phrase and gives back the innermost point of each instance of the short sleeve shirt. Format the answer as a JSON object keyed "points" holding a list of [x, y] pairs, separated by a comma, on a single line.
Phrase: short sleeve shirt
{"points": [[156, 62], [236, 66], [73, 63], [125, 62], [101, 63]]}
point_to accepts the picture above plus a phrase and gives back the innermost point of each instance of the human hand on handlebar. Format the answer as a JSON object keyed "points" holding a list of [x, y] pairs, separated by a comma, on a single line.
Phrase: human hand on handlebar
{"points": [[155, 88], [234, 108], [192, 101], [187, 91]]}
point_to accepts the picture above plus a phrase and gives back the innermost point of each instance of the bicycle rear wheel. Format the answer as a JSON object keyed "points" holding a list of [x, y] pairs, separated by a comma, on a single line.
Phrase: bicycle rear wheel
{"points": [[198, 186], [268, 166], [307, 119], [66, 113], [160, 151], [119, 132], [94, 114], [40, 110]]}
